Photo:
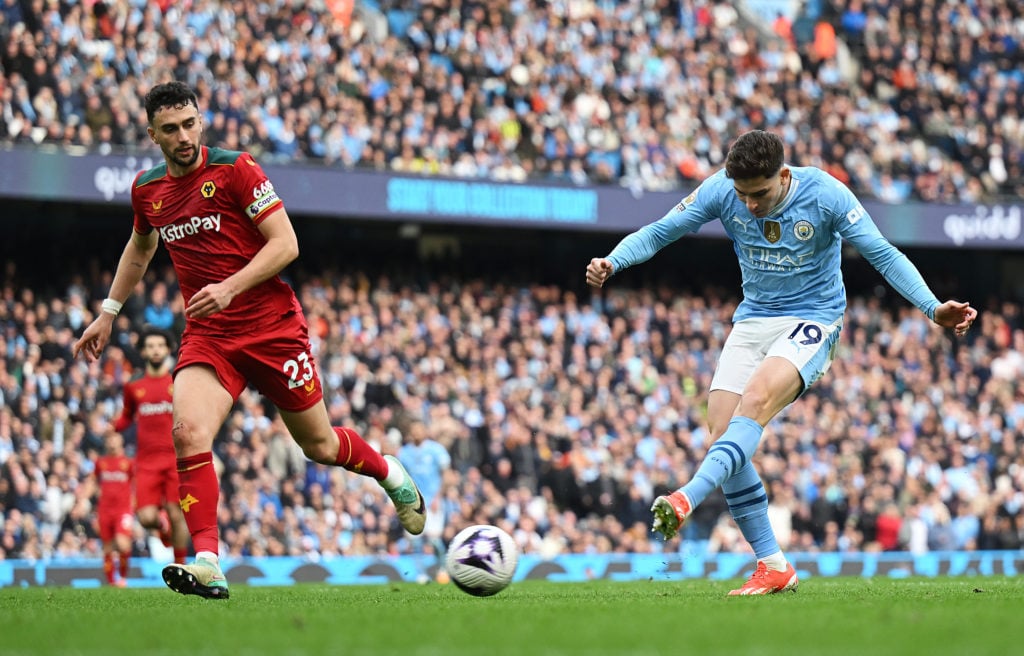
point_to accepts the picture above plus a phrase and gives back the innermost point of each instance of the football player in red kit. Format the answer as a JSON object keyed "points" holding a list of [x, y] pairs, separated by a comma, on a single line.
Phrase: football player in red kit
{"points": [[147, 403], [114, 472], [229, 237]]}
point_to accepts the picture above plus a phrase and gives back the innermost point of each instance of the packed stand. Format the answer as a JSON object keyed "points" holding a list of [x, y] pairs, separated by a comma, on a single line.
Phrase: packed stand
{"points": [[557, 417], [642, 94]]}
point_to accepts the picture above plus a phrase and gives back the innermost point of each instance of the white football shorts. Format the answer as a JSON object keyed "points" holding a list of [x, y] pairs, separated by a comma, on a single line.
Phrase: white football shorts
{"points": [[809, 345]]}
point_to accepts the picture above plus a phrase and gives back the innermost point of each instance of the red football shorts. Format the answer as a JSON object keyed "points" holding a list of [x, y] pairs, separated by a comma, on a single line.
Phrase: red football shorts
{"points": [[156, 486], [276, 361], [115, 523]]}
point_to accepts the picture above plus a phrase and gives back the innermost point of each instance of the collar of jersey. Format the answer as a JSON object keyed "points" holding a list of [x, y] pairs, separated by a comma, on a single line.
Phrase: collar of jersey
{"points": [[787, 201]]}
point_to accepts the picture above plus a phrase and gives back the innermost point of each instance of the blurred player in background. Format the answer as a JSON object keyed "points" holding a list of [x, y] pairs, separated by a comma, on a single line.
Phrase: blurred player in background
{"points": [[147, 403], [114, 473], [426, 460], [787, 225], [229, 237]]}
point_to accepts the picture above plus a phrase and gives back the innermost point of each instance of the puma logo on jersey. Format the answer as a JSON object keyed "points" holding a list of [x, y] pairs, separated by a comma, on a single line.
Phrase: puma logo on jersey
{"points": [[740, 222], [189, 227]]}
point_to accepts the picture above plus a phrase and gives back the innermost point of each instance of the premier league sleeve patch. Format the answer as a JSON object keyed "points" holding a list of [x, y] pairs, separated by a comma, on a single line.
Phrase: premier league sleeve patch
{"points": [[686, 202], [264, 196]]}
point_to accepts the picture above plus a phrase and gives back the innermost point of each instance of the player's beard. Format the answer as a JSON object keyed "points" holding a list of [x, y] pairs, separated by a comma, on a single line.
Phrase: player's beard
{"points": [[183, 163]]}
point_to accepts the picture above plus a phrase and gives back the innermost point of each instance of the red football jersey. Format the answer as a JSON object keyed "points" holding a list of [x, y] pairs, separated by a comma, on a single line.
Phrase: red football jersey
{"points": [[147, 400], [115, 474], [208, 221]]}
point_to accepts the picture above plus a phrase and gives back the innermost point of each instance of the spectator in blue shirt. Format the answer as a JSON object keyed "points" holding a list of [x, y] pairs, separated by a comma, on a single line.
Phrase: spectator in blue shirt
{"points": [[158, 312]]}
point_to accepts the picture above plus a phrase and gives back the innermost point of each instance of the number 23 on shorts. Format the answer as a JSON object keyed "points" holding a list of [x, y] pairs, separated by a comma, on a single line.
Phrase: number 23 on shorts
{"points": [[300, 372]]}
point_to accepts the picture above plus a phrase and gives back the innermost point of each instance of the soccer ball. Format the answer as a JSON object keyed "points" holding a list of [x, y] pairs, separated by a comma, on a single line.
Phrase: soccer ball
{"points": [[481, 560]]}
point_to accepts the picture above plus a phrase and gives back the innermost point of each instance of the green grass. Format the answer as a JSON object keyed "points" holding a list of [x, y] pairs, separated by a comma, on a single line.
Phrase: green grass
{"points": [[827, 616]]}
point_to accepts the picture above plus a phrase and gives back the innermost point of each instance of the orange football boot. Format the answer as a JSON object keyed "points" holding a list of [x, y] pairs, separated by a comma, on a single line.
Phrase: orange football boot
{"points": [[670, 513], [766, 581]]}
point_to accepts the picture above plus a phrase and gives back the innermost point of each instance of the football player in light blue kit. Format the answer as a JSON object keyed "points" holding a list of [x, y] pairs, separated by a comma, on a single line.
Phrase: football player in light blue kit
{"points": [[787, 225]]}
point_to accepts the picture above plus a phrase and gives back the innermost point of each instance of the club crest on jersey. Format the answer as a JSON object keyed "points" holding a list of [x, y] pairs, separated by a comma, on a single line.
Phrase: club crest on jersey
{"points": [[208, 189], [158, 205], [772, 231], [803, 230]]}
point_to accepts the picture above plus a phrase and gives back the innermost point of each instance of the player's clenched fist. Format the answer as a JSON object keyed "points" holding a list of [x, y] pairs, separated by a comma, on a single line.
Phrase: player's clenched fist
{"points": [[599, 270]]}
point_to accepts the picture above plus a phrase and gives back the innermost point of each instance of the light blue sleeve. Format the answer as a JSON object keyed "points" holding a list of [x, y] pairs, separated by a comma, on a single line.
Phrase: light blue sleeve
{"points": [[688, 216], [857, 227], [444, 459]]}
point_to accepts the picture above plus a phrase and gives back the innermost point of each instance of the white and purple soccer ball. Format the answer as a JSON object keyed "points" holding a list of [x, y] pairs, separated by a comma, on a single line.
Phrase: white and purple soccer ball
{"points": [[482, 560]]}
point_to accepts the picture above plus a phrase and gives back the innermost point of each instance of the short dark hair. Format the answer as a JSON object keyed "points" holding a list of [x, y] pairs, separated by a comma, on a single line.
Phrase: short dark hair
{"points": [[755, 154], [170, 94], [153, 331]]}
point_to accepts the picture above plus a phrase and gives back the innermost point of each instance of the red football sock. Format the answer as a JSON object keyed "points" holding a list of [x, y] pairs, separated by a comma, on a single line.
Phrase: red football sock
{"points": [[124, 562], [180, 555], [355, 455], [198, 494], [108, 567]]}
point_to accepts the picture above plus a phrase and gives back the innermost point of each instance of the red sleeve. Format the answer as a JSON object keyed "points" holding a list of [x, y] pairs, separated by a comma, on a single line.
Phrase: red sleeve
{"points": [[255, 193], [128, 412]]}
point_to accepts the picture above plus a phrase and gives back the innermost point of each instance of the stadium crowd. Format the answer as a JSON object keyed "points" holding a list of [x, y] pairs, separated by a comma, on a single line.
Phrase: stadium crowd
{"points": [[557, 417], [915, 99]]}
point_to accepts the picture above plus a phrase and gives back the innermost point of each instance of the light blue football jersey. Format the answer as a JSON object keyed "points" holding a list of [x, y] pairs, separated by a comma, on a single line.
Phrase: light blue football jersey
{"points": [[790, 260]]}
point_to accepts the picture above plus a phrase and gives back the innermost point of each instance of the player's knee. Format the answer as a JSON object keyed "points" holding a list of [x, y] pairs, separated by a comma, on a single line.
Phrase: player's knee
{"points": [[319, 451], [755, 403], [187, 440], [147, 516]]}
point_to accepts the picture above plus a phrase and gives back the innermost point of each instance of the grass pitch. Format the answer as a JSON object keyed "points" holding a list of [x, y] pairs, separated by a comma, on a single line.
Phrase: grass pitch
{"points": [[972, 616]]}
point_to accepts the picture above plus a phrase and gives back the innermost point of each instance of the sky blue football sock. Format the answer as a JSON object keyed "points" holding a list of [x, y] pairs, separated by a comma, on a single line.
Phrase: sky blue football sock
{"points": [[748, 503], [728, 455]]}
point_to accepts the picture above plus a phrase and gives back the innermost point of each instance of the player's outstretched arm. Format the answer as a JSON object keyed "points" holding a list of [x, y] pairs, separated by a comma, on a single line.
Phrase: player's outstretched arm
{"points": [[956, 315], [132, 266], [599, 270]]}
